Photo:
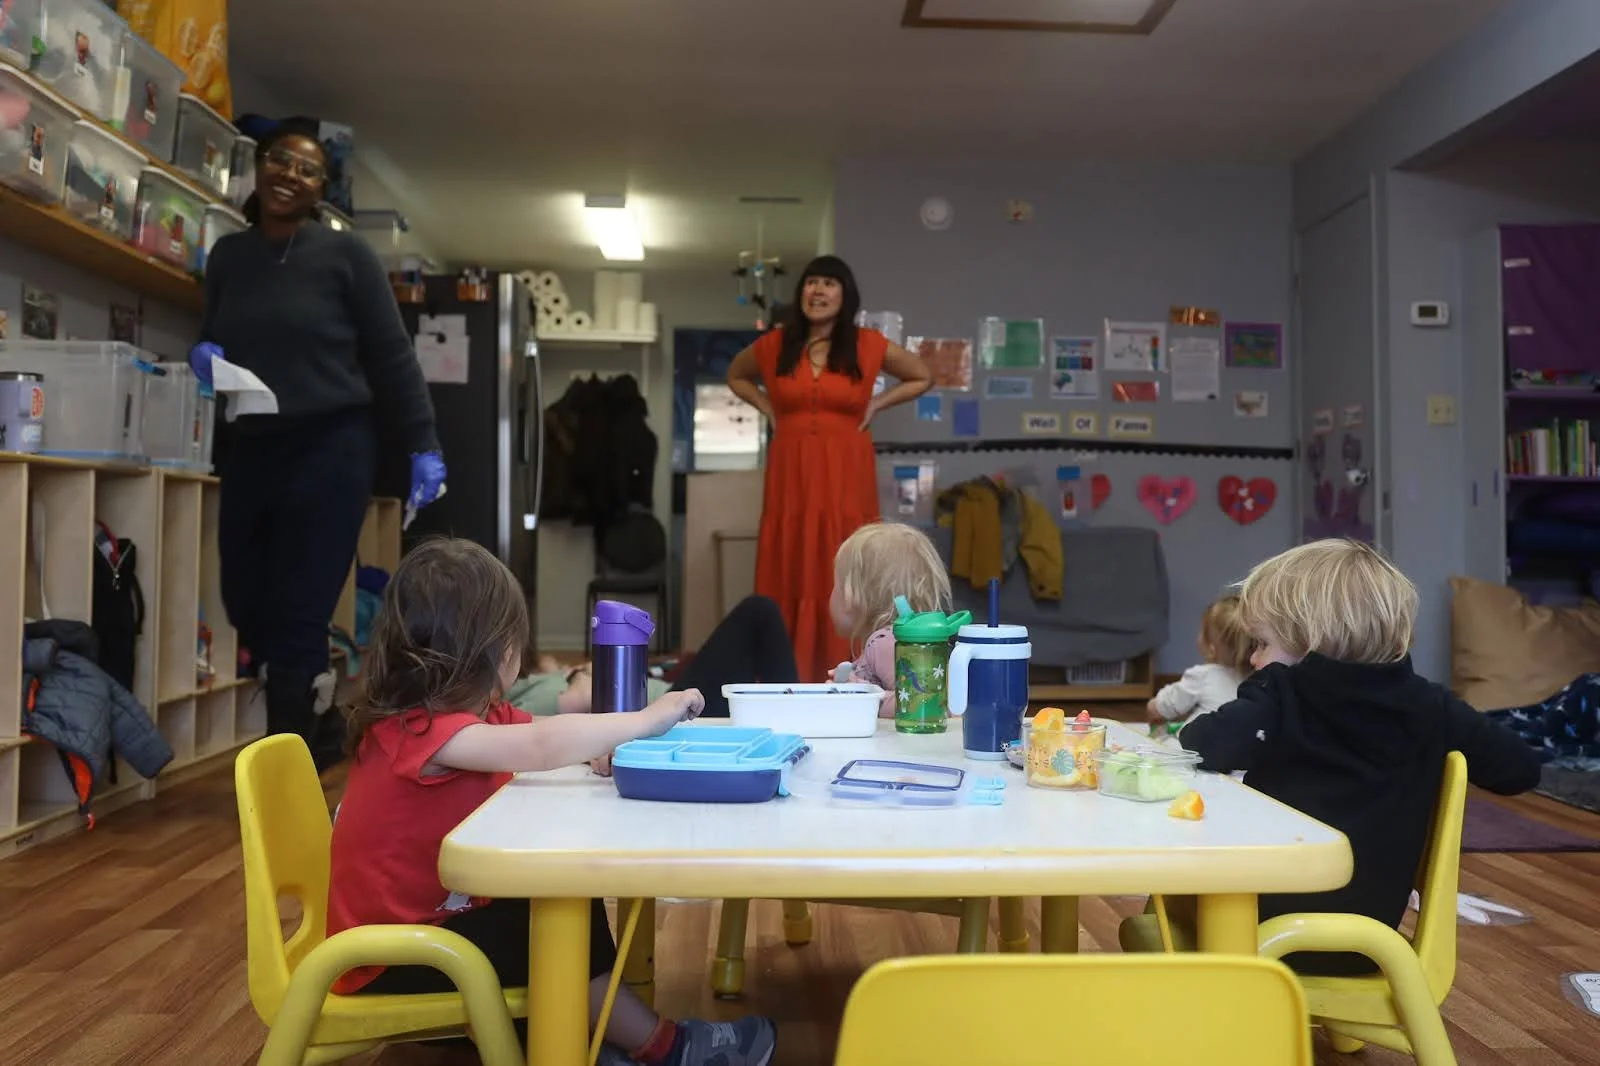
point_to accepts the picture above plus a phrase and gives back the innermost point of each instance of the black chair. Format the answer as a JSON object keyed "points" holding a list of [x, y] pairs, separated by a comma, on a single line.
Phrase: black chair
{"points": [[630, 562]]}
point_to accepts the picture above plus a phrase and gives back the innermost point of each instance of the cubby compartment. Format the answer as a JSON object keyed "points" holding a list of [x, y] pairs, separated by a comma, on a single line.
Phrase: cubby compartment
{"points": [[179, 605], [379, 546], [10, 760], [43, 790], [60, 542], [249, 713], [176, 720], [13, 579], [130, 507], [224, 639], [213, 722]]}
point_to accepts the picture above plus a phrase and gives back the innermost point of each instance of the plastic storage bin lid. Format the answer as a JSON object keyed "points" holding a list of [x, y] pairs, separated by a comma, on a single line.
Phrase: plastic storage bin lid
{"points": [[712, 748], [892, 783], [17, 81], [105, 139], [164, 177], [207, 110]]}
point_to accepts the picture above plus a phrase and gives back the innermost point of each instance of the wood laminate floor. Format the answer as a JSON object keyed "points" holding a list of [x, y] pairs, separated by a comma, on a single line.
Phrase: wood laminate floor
{"points": [[126, 946]]}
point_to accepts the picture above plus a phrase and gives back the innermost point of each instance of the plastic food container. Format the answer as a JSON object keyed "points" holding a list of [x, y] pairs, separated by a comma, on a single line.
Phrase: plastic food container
{"points": [[889, 783], [94, 395], [204, 146], [21, 411], [178, 420], [1063, 757], [168, 219], [82, 54], [707, 764], [102, 179], [33, 153], [145, 108], [1148, 775], [840, 710], [242, 173], [20, 23], [219, 221]]}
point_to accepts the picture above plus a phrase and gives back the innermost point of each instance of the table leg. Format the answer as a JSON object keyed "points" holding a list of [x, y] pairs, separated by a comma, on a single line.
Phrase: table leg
{"points": [[974, 934], [639, 968], [558, 982], [727, 969], [1058, 925], [1013, 925], [1227, 924]]}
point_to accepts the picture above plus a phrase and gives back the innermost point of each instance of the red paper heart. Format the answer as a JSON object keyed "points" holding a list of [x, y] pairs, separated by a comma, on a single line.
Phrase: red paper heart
{"points": [[1246, 501], [1166, 498], [1099, 490]]}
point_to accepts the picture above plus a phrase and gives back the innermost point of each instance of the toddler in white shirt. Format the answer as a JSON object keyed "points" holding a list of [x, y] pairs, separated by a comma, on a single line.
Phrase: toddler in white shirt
{"points": [[1226, 646]]}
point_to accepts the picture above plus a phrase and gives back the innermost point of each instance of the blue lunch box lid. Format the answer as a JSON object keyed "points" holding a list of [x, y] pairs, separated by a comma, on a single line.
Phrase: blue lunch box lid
{"points": [[720, 749]]}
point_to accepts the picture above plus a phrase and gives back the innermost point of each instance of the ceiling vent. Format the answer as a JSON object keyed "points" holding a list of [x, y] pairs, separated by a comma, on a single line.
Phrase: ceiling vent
{"points": [[1127, 17]]}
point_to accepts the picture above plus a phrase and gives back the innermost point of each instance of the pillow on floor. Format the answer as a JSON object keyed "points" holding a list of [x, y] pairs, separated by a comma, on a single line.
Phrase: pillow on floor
{"points": [[1506, 652]]}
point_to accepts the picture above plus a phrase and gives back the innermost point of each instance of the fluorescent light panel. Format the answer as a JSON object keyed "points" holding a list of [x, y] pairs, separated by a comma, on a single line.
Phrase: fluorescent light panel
{"points": [[613, 227]]}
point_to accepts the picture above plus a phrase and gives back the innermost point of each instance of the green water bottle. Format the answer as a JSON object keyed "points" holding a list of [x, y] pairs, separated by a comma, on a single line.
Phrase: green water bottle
{"points": [[921, 662]]}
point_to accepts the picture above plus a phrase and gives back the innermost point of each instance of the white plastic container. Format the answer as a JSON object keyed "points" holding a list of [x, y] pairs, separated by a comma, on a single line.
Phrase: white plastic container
{"points": [[145, 104], [33, 153], [242, 174], [204, 146], [177, 419], [219, 221], [168, 219], [82, 53], [20, 23], [102, 186], [812, 711], [94, 395]]}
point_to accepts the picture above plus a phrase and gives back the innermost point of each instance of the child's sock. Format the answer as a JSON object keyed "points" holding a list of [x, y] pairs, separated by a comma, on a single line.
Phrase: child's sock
{"points": [[661, 1047]]}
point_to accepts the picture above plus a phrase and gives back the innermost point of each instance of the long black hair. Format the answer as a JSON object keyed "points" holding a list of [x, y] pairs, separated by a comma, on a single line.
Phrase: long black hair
{"points": [[269, 138], [797, 328]]}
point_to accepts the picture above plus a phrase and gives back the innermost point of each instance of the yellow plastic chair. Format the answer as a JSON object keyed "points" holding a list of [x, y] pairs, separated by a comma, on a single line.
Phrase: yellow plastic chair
{"points": [[727, 970], [285, 830], [965, 1010], [1397, 1008]]}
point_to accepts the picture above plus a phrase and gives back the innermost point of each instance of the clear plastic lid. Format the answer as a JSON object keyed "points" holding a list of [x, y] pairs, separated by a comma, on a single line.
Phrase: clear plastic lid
{"points": [[1149, 757]]}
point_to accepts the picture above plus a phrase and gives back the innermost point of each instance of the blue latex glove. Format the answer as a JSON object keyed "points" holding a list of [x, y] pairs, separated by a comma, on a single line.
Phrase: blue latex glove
{"points": [[427, 479], [200, 357]]}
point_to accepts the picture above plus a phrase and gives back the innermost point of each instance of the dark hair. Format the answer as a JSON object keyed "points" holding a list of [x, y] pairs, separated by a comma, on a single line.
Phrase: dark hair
{"points": [[451, 615], [289, 127], [797, 329]]}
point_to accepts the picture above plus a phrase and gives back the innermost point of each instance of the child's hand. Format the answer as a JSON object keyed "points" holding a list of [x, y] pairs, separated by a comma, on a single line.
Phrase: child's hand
{"points": [[602, 765], [673, 708], [1152, 713], [579, 695]]}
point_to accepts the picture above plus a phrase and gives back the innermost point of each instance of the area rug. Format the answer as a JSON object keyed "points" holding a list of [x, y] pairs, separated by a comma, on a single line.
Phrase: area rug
{"points": [[1576, 788], [1491, 827]]}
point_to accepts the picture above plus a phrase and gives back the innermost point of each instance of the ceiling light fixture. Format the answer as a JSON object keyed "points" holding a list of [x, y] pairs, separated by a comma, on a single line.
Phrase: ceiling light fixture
{"points": [[613, 227]]}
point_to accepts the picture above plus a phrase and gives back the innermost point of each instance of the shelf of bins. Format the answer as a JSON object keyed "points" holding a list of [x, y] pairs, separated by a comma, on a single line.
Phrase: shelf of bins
{"points": [[379, 546]]}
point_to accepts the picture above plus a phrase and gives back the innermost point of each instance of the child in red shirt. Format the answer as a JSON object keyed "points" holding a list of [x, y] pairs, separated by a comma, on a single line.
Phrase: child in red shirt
{"points": [[432, 740]]}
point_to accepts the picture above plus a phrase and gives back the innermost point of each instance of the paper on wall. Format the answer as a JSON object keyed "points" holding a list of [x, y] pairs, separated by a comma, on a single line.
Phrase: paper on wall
{"points": [[1196, 369], [246, 393], [442, 346]]}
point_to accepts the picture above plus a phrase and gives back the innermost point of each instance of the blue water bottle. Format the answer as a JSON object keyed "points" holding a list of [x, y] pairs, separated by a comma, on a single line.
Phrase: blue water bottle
{"points": [[620, 647], [988, 683]]}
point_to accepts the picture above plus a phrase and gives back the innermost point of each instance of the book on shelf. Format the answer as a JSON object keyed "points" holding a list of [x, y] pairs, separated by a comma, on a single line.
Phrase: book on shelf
{"points": [[1564, 448]]}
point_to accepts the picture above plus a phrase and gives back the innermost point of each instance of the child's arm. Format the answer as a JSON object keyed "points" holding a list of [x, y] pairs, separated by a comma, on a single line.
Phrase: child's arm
{"points": [[876, 667], [1234, 736], [564, 740], [1497, 759], [1176, 700]]}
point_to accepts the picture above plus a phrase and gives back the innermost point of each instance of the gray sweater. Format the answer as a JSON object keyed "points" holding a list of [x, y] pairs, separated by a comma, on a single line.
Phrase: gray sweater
{"points": [[314, 318]]}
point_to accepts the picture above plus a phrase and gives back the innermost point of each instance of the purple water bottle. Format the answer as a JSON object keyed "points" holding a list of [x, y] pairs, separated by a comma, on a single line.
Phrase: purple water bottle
{"points": [[620, 645]]}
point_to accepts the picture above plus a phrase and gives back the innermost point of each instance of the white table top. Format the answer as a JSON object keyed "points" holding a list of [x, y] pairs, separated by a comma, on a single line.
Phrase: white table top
{"points": [[568, 834]]}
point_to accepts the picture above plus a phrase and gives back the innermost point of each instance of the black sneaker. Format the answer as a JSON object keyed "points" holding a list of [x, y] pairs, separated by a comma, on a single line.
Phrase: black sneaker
{"points": [[746, 1042]]}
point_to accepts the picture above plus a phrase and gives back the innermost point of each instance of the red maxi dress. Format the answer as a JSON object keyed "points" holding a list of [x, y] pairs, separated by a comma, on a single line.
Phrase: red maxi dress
{"points": [[821, 486]]}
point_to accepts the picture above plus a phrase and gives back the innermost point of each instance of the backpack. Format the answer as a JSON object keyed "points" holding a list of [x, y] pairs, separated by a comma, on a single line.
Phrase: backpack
{"points": [[118, 604]]}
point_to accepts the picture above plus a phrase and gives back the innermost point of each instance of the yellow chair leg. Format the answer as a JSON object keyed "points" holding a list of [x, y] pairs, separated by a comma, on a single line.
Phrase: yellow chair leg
{"points": [[796, 923], [639, 968], [974, 935], [1013, 926], [1345, 1045], [1058, 925], [1227, 924], [727, 971], [558, 980]]}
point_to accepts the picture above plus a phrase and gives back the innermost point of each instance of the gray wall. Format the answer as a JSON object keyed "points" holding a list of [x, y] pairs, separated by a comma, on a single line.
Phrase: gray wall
{"points": [[1107, 240]]}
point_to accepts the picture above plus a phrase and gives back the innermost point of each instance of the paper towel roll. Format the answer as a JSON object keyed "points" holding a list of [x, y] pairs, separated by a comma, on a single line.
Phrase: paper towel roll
{"points": [[558, 322], [630, 286], [605, 299], [548, 281], [627, 316], [554, 302], [542, 323], [579, 322], [645, 321], [529, 278]]}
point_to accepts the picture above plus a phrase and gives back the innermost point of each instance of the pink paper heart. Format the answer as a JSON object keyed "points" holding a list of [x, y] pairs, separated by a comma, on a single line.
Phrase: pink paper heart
{"points": [[1099, 490], [1166, 498]]}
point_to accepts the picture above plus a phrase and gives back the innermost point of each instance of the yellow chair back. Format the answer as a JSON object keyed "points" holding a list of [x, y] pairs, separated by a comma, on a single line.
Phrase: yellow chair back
{"points": [[1439, 880], [975, 1010]]}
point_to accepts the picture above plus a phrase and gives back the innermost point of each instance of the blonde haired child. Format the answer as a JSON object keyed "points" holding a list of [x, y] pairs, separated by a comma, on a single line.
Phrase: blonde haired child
{"points": [[1335, 723], [433, 738], [1225, 645], [875, 564]]}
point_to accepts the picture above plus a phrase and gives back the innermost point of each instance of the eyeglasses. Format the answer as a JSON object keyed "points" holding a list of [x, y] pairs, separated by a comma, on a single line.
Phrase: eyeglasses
{"points": [[285, 160]]}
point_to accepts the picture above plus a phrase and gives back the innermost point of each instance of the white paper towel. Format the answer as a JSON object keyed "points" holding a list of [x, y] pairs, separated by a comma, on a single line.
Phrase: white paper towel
{"points": [[558, 322], [605, 299], [630, 286], [530, 278], [554, 302], [246, 393], [543, 324], [548, 281], [579, 322], [646, 319], [627, 316]]}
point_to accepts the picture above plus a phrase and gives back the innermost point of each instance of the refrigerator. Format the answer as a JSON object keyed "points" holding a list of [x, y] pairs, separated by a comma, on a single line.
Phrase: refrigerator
{"points": [[489, 424]]}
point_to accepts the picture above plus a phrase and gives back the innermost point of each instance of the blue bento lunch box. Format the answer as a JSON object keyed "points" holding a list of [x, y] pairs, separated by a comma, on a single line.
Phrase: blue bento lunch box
{"points": [[707, 764]]}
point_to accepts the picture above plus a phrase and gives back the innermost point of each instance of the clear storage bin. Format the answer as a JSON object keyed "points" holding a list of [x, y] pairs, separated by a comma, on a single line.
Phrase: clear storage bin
{"points": [[94, 395], [33, 153], [204, 147], [102, 179], [219, 221], [82, 53], [178, 421], [242, 175], [20, 23], [145, 108], [168, 218]]}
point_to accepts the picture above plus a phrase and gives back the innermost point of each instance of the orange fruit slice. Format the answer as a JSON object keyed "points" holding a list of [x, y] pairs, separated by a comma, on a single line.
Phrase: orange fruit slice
{"points": [[1188, 806], [1050, 718]]}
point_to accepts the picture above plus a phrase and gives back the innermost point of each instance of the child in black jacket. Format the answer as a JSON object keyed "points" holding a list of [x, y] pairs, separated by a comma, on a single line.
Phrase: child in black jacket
{"points": [[1336, 724]]}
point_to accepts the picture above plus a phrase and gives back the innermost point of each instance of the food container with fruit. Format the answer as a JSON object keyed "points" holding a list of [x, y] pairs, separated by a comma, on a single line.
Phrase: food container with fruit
{"points": [[1146, 774], [1059, 752]]}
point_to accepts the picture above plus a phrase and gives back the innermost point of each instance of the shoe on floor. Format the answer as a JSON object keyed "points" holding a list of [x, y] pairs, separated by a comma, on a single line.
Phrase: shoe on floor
{"points": [[746, 1042]]}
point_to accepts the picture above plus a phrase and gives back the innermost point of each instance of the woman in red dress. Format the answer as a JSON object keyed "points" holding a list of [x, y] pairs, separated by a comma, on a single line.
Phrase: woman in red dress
{"points": [[817, 371]]}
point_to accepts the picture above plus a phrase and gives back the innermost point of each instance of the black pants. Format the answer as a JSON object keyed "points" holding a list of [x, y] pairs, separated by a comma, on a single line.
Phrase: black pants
{"points": [[750, 644], [293, 500]]}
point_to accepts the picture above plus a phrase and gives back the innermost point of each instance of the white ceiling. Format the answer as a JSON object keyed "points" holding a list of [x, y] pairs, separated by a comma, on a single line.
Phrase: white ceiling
{"points": [[491, 118]]}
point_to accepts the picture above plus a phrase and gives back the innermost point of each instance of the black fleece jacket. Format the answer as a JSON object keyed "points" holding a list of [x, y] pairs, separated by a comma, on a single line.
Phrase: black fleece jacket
{"points": [[1359, 747]]}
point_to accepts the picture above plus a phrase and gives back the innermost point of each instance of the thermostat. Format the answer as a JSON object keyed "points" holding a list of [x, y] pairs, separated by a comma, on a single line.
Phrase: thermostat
{"points": [[1430, 313]]}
